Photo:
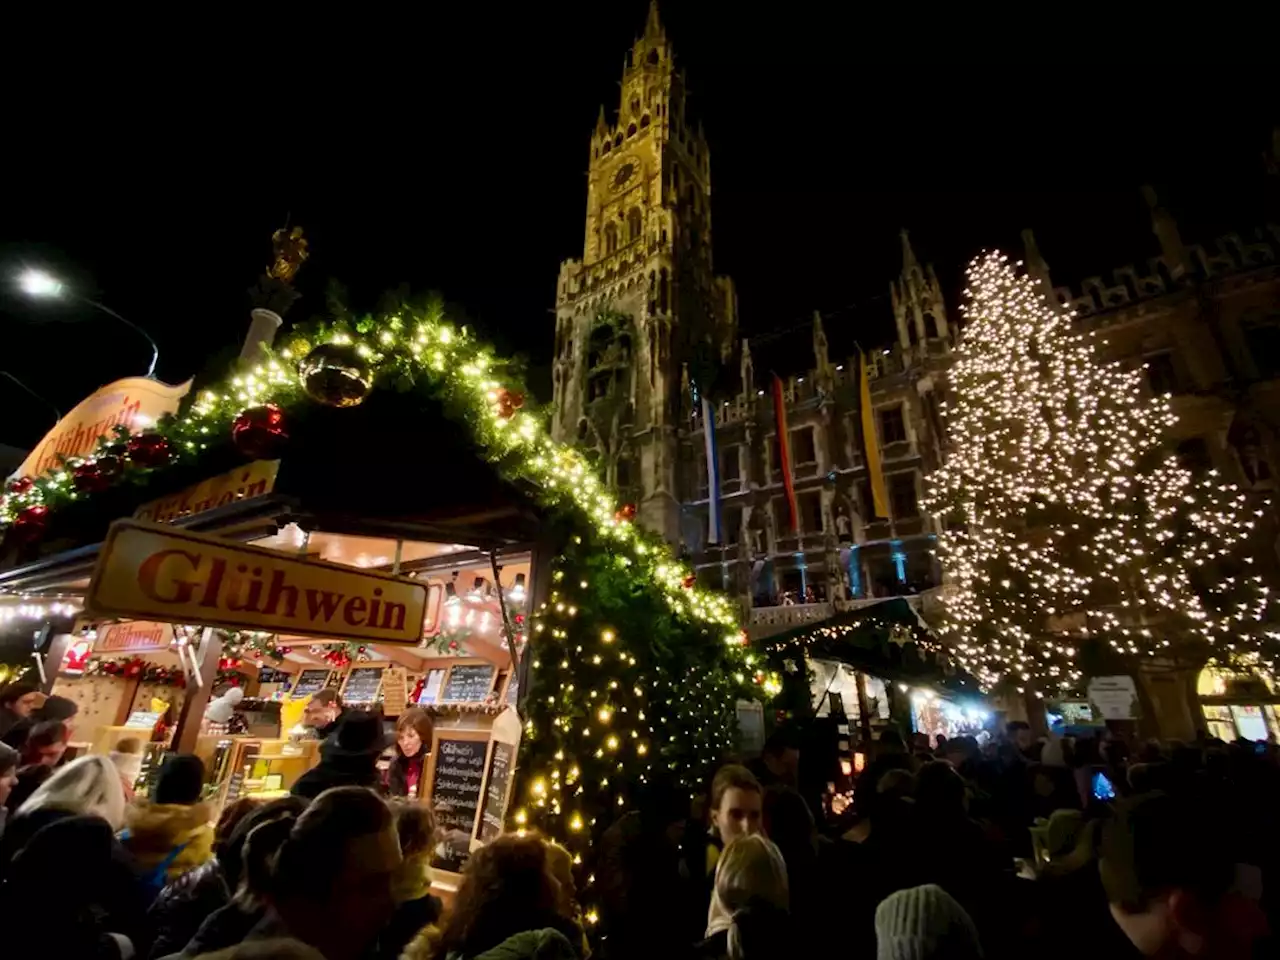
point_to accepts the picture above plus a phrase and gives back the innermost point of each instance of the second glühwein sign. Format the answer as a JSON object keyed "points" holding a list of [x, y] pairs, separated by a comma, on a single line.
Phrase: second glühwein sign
{"points": [[147, 571]]}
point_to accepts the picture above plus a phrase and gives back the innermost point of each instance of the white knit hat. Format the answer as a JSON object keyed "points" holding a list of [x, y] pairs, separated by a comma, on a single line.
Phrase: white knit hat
{"points": [[922, 923], [129, 765]]}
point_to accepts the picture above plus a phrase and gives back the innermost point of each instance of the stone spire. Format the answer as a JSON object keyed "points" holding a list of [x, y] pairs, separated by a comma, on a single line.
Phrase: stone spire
{"points": [[1037, 269], [1165, 227]]}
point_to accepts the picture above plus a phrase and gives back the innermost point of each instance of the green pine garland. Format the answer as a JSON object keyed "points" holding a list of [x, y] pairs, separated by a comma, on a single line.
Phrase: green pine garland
{"points": [[633, 671]]}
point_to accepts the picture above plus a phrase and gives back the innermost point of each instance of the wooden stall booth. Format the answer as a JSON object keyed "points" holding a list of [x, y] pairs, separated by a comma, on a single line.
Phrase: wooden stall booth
{"points": [[280, 578]]}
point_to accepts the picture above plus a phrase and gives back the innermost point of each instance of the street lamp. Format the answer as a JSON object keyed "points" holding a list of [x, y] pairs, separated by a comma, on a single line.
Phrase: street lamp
{"points": [[41, 285]]}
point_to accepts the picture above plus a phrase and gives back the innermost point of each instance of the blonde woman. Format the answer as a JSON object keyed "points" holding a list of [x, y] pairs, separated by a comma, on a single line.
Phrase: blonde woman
{"points": [[750, 905]]}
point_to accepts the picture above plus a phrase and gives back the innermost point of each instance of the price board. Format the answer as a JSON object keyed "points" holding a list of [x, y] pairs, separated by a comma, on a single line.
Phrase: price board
{"points": [[496, 789], [310, 682], [395, 694], [363, 685], [468, 683], [457, 775]]}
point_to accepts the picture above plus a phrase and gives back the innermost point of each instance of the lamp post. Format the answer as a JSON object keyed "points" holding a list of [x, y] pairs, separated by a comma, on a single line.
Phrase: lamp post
{"points": [[44, 286]]}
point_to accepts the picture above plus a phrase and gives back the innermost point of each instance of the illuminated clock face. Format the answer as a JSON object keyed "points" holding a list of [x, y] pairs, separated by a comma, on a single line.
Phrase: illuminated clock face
{"points": [[624, 175]]}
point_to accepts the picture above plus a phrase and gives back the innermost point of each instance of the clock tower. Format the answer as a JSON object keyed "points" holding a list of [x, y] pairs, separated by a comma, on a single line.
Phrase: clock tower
{"points": [[642, 312]]}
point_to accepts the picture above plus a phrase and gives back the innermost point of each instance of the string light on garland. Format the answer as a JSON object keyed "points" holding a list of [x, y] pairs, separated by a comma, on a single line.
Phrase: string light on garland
{"points": [[1069, 521], [135, 668], [628, 630]]}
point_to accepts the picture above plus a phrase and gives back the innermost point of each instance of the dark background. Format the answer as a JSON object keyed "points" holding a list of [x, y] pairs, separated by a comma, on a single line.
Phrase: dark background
{"points": [[148, 162]]}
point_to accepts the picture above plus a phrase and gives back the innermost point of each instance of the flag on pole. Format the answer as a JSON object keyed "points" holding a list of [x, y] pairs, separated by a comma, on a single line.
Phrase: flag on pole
{"points": [[715, 531], [784, 450], [870, 442]]}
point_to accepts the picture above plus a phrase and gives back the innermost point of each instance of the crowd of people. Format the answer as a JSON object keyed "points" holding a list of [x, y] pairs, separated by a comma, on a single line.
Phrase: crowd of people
{"points": [[1018, 847]]}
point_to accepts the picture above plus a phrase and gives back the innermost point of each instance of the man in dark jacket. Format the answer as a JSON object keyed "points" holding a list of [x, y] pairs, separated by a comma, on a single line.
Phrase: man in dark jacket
{"points": [[323, 712], [17, 702], [53, 709], [348, 758]]}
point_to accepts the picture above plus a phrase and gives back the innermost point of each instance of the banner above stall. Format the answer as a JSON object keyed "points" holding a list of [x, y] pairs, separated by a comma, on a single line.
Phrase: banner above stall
{"points": [[150, 572], [134, 403]]}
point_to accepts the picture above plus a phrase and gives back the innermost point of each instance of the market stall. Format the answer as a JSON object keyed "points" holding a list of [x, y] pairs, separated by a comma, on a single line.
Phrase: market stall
{"points": [[863, 670], [389, 543]]}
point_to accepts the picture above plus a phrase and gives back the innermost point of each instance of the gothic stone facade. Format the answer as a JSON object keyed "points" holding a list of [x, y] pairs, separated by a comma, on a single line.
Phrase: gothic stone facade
{"points": [[642, 309]]}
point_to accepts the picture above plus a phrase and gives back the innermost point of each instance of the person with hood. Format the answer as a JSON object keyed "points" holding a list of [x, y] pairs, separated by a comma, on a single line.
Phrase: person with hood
{"points": [[170, 834], [750, 904], [348, 758], [17, 702], [53, 708], [332, 882], [414, 731], [175, 916], [925, 923], [65, 884], [246, 866], [508, 907], [87, 789]]}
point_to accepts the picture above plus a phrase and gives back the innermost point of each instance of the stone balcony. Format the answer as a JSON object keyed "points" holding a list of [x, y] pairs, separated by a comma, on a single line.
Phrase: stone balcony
{"points": [[766, 622]]}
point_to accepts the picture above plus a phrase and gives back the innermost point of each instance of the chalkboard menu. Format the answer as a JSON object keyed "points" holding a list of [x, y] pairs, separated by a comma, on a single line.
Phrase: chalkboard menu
{"points": [[309, 682], [468, 684], [495, 794], [362, 685], [455, 796]]}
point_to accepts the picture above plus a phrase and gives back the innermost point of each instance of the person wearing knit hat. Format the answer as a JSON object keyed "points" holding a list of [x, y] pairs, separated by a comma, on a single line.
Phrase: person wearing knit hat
{"points": [[922, 923], [170, 833]]}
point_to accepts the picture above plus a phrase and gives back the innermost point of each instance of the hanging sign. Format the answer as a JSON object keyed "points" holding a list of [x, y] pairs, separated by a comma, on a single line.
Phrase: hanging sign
{"points": [[152, 572], [255, 479], [395, 691], [133, 636], [1114, 698], [135, 403]]}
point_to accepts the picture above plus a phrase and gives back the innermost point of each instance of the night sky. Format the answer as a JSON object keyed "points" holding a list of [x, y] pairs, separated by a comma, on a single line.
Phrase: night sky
{"points": [[448, 152]]}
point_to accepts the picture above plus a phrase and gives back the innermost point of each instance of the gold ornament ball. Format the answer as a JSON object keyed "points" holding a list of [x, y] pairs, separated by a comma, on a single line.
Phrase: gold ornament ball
{"points": [[336, 375]]}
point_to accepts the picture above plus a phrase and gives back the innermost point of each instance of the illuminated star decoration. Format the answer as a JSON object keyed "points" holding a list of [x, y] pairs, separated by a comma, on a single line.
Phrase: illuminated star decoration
{"points": [[1067, 519]]}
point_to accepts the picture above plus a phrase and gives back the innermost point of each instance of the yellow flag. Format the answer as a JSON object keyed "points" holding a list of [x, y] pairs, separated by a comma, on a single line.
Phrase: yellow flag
{"points": [[879, 496]]}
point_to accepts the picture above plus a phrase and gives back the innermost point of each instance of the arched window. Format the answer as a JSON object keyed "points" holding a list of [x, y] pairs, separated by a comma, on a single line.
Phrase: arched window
{"points": [[583, 427], [653, 56], [633, 225], [610, 238], [631, 130], [644, 121], [607, 146], [617, 141]]}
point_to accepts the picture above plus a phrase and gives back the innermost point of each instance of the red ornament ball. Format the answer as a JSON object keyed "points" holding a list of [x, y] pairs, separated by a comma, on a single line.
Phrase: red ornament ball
{"points": [[19, 486], [96, 475], [627, 511], [689, 582], [149, 450], [31, 522], [508, 402], [260, 433]]}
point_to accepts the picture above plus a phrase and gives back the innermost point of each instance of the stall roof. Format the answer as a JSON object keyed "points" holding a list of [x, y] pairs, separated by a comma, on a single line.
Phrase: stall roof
{"points": [[887, 639]]}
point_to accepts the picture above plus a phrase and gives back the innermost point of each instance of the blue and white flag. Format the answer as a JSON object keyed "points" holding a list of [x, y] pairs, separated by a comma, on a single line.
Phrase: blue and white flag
{"points": [[715, 526]]}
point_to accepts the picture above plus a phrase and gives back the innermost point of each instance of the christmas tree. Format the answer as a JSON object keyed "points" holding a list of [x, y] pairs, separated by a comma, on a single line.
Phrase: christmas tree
{"points": [[1070, 531]]}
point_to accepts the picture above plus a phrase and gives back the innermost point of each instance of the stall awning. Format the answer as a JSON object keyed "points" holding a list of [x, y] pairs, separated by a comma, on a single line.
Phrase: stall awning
{"points": [[887, 639]]}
